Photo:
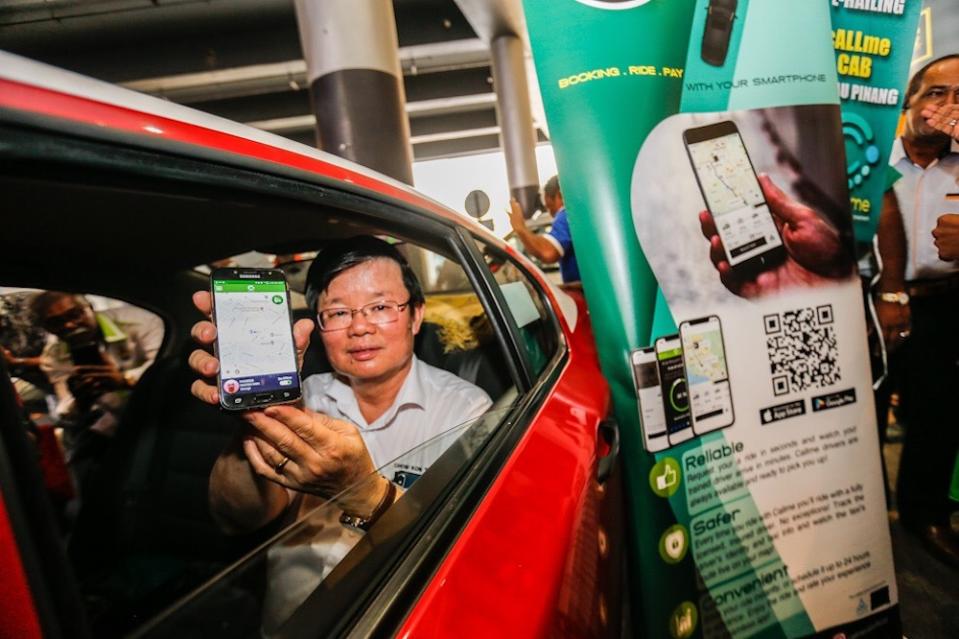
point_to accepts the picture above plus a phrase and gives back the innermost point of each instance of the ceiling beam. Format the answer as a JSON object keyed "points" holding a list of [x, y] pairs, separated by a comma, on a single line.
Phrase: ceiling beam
{"points": [[258, 79]]}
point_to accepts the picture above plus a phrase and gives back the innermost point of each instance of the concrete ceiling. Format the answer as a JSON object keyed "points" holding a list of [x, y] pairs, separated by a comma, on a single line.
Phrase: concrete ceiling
{"points": [[241, 59]]}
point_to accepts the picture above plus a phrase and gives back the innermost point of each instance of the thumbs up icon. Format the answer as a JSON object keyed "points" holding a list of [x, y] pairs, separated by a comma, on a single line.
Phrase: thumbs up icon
{"points": [[665, 477], [668, 479]]}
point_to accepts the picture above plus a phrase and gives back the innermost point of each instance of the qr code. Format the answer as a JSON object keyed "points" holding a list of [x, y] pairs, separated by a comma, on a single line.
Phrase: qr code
{"points": [[802, 349]]}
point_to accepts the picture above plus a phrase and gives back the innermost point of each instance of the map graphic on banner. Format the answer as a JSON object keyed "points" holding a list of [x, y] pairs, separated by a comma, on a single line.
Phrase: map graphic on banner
{"points": [[699, 147]]}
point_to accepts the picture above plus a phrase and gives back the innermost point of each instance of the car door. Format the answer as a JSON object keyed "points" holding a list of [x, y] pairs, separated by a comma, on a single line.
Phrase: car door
{"points": [[556, 542]]}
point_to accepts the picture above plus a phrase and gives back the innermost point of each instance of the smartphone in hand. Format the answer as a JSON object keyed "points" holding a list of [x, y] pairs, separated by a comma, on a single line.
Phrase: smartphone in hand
{"points": [[254, 342], [728, 182]]}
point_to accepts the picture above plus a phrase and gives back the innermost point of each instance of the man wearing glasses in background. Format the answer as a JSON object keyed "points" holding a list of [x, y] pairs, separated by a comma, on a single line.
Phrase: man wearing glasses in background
{"points": [[379, 402]]}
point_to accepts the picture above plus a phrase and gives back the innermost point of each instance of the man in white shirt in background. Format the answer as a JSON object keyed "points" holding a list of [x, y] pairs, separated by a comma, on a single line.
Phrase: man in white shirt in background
{"points": [[918, 302]]}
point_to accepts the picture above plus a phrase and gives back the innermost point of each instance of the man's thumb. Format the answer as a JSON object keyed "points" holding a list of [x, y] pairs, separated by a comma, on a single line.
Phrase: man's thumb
{"points": [[787, 210]]}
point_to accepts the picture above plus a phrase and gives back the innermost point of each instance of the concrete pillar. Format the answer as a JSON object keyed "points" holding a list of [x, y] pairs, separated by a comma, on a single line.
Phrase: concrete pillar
{"points": [[356, 84], [515, 120]]}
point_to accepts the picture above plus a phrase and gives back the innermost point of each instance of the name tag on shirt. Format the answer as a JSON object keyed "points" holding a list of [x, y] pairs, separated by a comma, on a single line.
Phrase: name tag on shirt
{"points": [[405, 475]]}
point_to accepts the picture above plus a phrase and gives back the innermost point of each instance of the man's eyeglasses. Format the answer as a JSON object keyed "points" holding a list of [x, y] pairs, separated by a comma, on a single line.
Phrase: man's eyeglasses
{"points": [[338, 319]]}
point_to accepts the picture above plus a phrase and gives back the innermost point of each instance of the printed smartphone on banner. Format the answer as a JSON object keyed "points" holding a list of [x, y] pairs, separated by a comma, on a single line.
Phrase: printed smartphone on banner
{"points": [[707, 374], [669, 357], [254, 341], [649, 395], [728, 182]]}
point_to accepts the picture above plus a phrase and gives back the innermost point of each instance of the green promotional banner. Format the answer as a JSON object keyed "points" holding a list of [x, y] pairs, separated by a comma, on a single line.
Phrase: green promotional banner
{"points": [[874, 44], [699, 146]]}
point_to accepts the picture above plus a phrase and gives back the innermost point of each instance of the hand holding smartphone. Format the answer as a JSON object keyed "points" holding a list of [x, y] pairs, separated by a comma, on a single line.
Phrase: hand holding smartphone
{"points": [[254, 343], [734, 197]]}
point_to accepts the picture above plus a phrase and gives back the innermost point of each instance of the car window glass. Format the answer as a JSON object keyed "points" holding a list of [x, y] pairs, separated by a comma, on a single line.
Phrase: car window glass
{"points": [[540, 224], [134, 507], [520, 303], [526, 304], [293, 265], [75, 361], [265, 589], [437, 273]]}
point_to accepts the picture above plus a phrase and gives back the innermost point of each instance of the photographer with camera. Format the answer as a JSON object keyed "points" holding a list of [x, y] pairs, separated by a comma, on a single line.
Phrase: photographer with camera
{"points": [[96, 358]]}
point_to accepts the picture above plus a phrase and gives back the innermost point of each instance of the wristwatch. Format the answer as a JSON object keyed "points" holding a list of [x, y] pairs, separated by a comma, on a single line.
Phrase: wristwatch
{"points": [[363, 523], [898, 297]]}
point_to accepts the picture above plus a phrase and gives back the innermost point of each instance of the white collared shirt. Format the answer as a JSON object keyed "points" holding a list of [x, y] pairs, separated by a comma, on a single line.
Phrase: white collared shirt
{"points": [[924, 194], [431, 402]]}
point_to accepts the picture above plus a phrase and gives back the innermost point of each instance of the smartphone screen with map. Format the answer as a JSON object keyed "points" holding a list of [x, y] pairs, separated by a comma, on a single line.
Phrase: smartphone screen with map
{"points": [[728, 182], [254, 342], [707, 375]]}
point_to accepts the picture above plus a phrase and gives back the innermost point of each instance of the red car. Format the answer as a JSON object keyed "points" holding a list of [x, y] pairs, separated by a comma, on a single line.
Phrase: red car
{"points": [[514, 531]]}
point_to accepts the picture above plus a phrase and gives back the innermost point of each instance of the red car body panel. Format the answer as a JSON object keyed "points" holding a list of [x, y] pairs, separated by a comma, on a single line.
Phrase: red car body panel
{"points": [[17, 611], [509, 569], [515, 564]]}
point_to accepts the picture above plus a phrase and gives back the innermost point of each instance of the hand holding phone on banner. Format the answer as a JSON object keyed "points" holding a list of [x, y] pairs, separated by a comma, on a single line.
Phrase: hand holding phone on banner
{"points": [[814, 250]]}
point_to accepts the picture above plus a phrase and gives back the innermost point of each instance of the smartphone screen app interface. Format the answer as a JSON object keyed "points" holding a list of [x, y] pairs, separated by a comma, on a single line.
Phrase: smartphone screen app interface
{"points": [[254, 337], [673, 382], [734, 197], [650, 394], [707, 374]]}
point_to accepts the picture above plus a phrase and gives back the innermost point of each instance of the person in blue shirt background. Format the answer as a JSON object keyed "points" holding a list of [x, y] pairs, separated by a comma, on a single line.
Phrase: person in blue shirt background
{"points": [[555, 246]]}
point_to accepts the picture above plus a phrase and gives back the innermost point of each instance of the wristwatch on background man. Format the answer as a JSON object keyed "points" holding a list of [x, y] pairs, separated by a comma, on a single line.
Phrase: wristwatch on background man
{"points": [[895, 297]]}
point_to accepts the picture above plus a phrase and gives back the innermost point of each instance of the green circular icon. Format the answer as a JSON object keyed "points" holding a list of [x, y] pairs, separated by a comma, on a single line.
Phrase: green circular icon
{"points": [[277, 299], [673, 544], [682, 623], [665, 476]]}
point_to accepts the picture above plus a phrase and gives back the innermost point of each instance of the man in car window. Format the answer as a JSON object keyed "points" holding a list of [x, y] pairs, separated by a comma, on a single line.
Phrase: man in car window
{"points": [[379, 402], [555, 246]]}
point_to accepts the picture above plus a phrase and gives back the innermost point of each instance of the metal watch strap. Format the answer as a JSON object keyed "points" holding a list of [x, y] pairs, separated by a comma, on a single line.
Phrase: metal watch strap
{"points": [[896, 297]]}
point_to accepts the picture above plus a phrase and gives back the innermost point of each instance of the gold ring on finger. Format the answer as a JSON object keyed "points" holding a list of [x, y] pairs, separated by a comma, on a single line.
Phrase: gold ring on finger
{"points": [[278, 469]]}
